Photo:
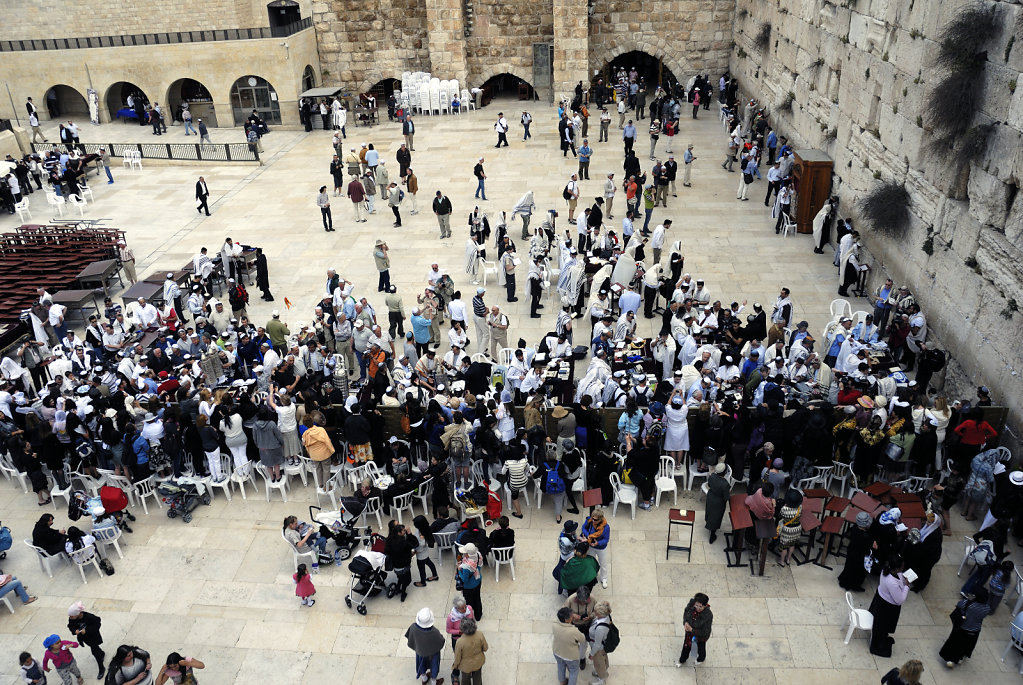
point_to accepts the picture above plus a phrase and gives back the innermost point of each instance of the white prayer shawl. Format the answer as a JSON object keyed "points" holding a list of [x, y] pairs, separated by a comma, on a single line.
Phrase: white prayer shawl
{"points": [[818, 223], [502, 267], [525, 206], [538, 245], [570, 282], [202, 265], [625, 269], [472, 258], [779, 307], [845, 248], [664, 352], [687, 350]]}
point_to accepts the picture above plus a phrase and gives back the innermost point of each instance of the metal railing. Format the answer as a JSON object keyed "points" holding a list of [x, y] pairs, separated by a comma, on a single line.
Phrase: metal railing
{"points": [[138, 39], [209, 152]]}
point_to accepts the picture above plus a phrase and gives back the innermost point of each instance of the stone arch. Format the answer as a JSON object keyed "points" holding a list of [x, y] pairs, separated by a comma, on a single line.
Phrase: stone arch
{"points": [[678, 65], [497, 71], [375, 78]]}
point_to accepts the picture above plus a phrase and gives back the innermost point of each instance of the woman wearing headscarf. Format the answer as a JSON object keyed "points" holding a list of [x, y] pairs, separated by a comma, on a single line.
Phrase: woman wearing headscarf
{"points": [[928, 551], [860, 541], [676, 419], [48, 538], [887, 606], [85, 629], [884, 534], [596, 533], [470, 577], [982, 474]]}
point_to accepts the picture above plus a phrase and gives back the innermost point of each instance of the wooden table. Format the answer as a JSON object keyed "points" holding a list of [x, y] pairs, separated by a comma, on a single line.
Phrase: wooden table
{"points": [[906, 497], [100, 272], [153, 292], [813, 505], [830, 526], [836, 506], [865, 502], [181, 277], [816, 493], [877, 488], [913, 509], [735, 543], [77, 300], [684, 518], [810, 523]]}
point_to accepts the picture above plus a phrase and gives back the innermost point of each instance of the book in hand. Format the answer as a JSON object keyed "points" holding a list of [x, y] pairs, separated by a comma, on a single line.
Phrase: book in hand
{"points": [[909, 575]]}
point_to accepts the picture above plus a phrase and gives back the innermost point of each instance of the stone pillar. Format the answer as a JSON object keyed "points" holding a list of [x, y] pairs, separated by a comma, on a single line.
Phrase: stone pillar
{"points": [[571, 46], [445, 20]]}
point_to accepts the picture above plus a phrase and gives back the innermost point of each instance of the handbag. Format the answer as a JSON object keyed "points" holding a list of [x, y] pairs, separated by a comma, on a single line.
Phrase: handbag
{"points": [[958, 615], [627, 476], [894, 451], [868, 562]]}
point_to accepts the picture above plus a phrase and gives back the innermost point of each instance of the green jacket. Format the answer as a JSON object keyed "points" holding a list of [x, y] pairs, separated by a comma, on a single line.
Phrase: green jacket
{"points": [[578, 572], [278, 332], [648, 198]]}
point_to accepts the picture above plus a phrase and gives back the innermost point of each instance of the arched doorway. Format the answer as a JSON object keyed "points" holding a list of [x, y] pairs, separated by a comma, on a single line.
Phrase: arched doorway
{"points": [[254, 93], [383, 89], [198, 97], [119, 98], [651, 69], [282, 13], [308, 78], [506, 86], [65, 101]]}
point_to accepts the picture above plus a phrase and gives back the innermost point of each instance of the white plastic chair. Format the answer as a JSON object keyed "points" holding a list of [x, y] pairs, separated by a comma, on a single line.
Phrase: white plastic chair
{"points": [[805, 484], [281, 485], [297, 555], [46, 559], [823, 475], [787, 226], [299, 470], [489, 268], [1018, 589], [503, 556], [858, 618], [109, 536], [66, 492], [242, 475], [423, 493], [7, 601], [85, 556], [88, 482], [78, 203], [22, 209], [8, 469], [623, 495], [57, 202], [505, 356], [842, 472], [1015, 640], [968, 546], [665, 480], [136, 160], [373, 506], [328, 490], [125, 485], [445, 542], [858, 317], [147, 488], [84, 190], [695, 472], [918, 483], [464, 100], [840, 308], [225, 468], [401, 503]]}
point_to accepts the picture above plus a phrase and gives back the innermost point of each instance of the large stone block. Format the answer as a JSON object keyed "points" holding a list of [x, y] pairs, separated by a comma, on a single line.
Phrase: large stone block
{"points": [[989, 198]]}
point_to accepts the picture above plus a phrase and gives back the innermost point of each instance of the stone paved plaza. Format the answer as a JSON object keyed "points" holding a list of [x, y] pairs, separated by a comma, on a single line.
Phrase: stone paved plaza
{"points": [[220, 587]]}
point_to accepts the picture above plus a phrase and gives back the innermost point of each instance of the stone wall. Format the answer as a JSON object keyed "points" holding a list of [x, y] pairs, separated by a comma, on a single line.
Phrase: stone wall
{"points": [[503, 35], [365, 41], [858, 74], [60, 19], [690, 36]]}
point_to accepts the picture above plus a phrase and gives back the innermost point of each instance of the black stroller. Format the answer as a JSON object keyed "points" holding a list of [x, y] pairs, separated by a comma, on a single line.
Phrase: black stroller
{"points": [[369, 576], [182, 496], [341, 530]]}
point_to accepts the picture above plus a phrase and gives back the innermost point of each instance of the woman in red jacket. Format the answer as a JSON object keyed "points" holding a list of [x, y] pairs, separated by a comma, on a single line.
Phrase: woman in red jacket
{"points": [[973, 433]]}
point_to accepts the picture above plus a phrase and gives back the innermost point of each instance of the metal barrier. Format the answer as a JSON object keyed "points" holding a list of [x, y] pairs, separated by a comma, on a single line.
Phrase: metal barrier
{"points": [[210, 152], [155, 38]]}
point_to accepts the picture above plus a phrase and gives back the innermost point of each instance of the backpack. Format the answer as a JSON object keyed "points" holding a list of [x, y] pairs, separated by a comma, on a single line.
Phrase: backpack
{"points": [[457, 449], [566, 193], [613, 638], [984, 554], [555, 483]]}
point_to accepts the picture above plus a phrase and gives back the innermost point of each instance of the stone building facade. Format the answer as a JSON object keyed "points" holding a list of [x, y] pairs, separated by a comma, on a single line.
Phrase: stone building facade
{"points": [[855, 80]]}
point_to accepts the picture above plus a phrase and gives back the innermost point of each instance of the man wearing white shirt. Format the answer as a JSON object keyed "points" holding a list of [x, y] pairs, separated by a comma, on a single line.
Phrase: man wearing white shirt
{"points": [[532, 380], [657, 240], [865, 331], [271, 359], [502, 130], [456, 309], [701, 294], [582, 229], [146, 314], [55, 315], [609, 193], [433, 275]]}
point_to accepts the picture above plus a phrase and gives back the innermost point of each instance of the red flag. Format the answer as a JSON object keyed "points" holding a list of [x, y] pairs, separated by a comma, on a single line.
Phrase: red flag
{"points": [[287, 303]]}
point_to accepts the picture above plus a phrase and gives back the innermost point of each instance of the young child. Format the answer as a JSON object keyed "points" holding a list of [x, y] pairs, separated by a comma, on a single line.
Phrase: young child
{"points": [[59, 652], [304, 586], [31, 673]]}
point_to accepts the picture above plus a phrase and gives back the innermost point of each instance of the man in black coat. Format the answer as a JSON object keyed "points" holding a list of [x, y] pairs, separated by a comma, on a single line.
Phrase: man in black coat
{"points": [[263, 276], [201, 194]]}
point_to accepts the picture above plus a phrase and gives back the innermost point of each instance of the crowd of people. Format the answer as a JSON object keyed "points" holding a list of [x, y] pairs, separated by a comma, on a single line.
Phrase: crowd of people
{"points": [[748, 392]]}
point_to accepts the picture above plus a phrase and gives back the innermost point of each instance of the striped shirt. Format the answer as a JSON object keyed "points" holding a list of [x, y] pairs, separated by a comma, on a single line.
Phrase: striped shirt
{"points": [[478, 306]]}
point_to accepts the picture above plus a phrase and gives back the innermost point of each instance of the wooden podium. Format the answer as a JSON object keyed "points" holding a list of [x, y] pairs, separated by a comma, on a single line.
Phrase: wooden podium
{"points": [[812, 172]]}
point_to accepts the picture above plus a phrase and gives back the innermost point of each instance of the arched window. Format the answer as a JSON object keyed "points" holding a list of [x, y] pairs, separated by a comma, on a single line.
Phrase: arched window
{"points": [[254, 93]]}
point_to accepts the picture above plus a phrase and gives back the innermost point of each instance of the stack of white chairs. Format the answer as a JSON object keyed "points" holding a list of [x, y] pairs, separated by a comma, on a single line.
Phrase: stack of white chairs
{"points": [[466, 100], [424, 98]]}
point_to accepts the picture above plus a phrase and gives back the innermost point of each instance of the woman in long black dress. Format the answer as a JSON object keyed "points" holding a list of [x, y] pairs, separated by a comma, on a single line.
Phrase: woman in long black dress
{"points": [[960, 642], [860, 541]]}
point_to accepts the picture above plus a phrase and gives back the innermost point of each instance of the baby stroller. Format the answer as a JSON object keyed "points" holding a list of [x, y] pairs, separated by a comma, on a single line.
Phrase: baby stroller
{"points": [[115, 506], [339, 529], [5, 541], [369, 577], [182, 496]]}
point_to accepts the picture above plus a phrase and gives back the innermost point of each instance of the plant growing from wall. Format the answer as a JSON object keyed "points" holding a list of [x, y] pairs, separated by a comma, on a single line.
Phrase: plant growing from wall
{"points": [[763, 37], [1010, 308], [741, 53], [886, 208], [928, 246], [953, 102], [743, 13], [786, 102]]}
